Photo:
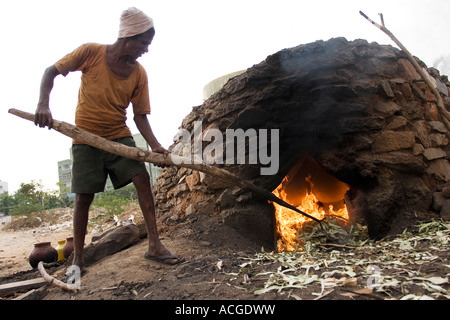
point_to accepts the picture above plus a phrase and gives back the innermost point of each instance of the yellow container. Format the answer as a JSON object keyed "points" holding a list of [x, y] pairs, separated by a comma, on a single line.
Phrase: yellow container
{"points": [[59, 248]]}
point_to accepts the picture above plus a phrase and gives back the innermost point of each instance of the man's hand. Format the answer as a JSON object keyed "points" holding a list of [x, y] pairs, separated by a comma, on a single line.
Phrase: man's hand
{"points": [[160, 149], [164, 152], [43, 117]]}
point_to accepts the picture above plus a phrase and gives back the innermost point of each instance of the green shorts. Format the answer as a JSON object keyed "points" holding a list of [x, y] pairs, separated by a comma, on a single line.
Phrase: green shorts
{"points": [[91, 167]]}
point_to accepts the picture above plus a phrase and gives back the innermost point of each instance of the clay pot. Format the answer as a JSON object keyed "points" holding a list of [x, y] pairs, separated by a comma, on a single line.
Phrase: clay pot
{"points": [[68, 247], [43, 251]]}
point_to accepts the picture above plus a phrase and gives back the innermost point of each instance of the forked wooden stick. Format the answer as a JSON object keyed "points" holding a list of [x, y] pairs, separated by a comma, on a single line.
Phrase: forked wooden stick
{"points": [[440, 103], [147, 156], [52, 280]]}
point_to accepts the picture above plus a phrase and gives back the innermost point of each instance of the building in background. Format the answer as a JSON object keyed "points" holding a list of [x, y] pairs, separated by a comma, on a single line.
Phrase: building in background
{"points": [[65, 176], [3, 186], [65, 170]]}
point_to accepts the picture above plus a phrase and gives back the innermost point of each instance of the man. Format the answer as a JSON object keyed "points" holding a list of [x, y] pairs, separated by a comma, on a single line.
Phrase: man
{"points": [[111, 79]]}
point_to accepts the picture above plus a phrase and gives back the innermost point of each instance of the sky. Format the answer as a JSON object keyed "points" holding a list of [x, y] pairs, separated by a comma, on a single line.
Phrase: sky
{"points": [[196, 41]]}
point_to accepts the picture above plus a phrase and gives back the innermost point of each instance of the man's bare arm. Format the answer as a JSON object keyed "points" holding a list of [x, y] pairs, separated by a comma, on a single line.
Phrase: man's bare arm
{"points": [[43, 116], [145, 129]]}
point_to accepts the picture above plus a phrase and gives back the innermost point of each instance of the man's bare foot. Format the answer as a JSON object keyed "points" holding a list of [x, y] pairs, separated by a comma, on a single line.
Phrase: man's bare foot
{"points": [[167, 259], [79, 261], [162, 254]]}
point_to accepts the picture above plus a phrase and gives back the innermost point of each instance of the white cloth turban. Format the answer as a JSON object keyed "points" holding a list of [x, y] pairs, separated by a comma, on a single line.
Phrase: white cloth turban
{"points": [[133, 21]]}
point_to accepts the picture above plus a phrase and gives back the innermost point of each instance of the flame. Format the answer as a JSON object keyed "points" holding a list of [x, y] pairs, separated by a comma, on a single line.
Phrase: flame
{"points": [[290, 222]]}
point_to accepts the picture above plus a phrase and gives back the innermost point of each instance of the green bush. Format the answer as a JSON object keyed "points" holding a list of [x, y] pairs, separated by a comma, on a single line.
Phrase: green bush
{"points": [[115, 201]]}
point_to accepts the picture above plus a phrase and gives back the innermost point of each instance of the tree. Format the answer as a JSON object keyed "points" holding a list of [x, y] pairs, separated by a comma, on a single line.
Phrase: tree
{"points": [[6, 202], [31, 197]]}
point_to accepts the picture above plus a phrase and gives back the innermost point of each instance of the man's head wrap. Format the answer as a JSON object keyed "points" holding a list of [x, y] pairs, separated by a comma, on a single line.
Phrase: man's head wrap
{"points": [[133, 21]]}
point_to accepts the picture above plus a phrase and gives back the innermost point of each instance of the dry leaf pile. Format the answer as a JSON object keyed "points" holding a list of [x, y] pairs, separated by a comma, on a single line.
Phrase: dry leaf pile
{"points": [[338, 263]]}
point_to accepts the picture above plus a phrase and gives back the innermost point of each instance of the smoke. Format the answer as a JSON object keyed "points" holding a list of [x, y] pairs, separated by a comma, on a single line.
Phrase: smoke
{"points": [[442, 64]]}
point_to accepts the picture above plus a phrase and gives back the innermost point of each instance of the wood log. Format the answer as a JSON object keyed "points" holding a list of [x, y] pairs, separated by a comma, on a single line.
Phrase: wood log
{"points": [[157, 158], [34, 294], [22, 285]]}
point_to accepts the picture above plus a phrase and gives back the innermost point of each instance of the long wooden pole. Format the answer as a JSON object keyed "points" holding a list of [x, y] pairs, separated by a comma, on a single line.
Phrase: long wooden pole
{"points": [[440, 103], [148, 156]]}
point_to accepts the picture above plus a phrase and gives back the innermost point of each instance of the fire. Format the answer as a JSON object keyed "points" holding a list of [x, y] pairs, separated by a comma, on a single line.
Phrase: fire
{"points": [[290, 222]]}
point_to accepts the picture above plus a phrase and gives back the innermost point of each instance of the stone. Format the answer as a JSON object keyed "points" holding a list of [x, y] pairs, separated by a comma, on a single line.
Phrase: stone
{"points": [[438, 201], [431, 112], [387, 108], [385, 89], [400, 161], [111, 242], [193, 180], [392, 140], [226, 199], [409, 69], [406, 91], [446, 192], [397, 123], [437, 126], [438, 140], [417, 194], [420, 128], [244, 198], [445, 211], [174, 192], [434, 153], [189, 209], [439, 169], [418, 149]]}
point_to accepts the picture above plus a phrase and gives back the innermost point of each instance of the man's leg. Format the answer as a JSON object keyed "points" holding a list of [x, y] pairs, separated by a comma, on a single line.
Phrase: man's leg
{"points": [[80, 219], [143, 188]]}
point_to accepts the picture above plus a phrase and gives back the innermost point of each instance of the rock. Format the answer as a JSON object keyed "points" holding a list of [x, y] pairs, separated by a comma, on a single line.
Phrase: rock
{"points": [[438, 126], [226, 199], [438, 201], [445, 211], [393, 140], [439, 169], [193, 180], [434, 153], [409, 69], [446, 192], [422, 133], [384, 89], [189, 209], [438, 140], [111, 242], [418, 149], [397, 123], [401, 162]]}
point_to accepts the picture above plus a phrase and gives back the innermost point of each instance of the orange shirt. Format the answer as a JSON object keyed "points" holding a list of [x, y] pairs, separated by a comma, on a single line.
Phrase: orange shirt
{"points": [[103, 97]]}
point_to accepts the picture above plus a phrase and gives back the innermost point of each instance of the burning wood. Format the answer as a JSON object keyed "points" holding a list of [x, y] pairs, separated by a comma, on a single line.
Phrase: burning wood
{"points": [[289, 224]]}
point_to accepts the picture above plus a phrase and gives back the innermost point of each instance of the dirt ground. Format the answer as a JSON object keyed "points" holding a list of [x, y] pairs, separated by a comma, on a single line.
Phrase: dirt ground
{"points": [[222, 265]]}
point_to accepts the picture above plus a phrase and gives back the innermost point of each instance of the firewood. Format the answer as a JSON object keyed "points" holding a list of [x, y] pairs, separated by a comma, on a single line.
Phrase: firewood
{"points": [[22, 285], [157, 158]]}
